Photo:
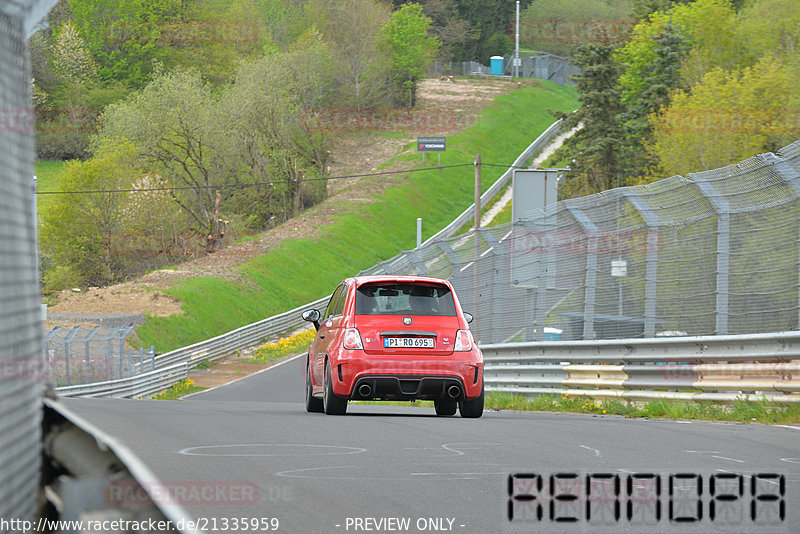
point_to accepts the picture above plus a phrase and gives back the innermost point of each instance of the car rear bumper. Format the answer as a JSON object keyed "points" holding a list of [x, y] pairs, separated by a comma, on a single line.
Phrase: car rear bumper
{"points": [[408, 379], [408, 388]]}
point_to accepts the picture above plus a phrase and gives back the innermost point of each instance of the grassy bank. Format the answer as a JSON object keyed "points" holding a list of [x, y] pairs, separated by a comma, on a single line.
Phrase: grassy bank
{"points": [[303, 270]]}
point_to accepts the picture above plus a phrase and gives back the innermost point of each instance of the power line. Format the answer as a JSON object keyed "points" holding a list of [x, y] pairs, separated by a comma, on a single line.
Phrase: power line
{"points": [[325, 179], [248, 184]]}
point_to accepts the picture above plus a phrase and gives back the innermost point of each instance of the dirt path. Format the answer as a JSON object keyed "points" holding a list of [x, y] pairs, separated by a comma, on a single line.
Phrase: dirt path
{"points": [[444, 108]]}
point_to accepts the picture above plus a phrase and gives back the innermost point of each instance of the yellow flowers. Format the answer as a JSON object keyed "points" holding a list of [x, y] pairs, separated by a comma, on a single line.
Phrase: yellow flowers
{"points": [[284, 346], [178, 389]]}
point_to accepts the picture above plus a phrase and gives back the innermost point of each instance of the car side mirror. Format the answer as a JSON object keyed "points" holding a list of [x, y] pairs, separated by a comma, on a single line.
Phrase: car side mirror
{"points": [[468, 317], [312, 316]]}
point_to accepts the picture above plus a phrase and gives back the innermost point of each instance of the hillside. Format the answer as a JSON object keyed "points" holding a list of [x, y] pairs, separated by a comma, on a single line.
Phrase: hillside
{"points": [[364, 220]]}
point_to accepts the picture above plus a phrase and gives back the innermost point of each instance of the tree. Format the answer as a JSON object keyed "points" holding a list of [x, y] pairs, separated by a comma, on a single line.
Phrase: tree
{"points": [[771, 26], [595, 149], [171, 123], [709, 27], [447, 25], [129, 38], [351, 33], [71, 59], [84, 230], [558, 26], [269, 130], [651, 73], [486, 18], [409, 49], [727, 117]]}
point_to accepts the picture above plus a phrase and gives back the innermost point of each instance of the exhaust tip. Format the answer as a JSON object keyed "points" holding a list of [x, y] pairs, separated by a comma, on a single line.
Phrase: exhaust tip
{"points": [[454, 392], [365, 390]]}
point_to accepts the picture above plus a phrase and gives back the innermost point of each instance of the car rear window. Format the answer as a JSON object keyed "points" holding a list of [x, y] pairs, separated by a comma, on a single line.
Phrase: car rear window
{"points": [[404, 299]]}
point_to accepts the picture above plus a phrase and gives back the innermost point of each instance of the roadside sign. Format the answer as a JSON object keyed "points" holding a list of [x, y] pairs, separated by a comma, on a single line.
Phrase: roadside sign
{"points": [[431, 144]]}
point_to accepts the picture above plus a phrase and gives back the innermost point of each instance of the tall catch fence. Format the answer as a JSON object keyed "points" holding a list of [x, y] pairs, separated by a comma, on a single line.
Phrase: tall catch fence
{"points": [[82, 355], [20, 314], [712, 253]]}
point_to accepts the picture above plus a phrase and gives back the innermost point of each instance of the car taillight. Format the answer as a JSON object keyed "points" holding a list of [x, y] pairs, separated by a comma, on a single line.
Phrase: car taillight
{"points": [[352, 339], [463, 341]]}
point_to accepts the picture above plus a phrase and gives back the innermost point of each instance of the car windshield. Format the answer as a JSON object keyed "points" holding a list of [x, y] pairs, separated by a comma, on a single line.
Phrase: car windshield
{"points": [[404, 299]]}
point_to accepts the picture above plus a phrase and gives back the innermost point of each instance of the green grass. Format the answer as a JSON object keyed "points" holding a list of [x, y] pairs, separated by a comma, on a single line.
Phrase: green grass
{"points": [[300, 271], [47, 176], [740, 411]]}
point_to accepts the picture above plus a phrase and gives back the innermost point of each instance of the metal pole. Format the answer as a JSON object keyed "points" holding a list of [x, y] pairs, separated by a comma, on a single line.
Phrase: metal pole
{"points": [[419, 231], [477, 191], [516, 47], [476, 237]]}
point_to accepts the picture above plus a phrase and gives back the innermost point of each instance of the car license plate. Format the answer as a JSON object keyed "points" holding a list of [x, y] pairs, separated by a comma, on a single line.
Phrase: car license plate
{"points": [[408, 342]]}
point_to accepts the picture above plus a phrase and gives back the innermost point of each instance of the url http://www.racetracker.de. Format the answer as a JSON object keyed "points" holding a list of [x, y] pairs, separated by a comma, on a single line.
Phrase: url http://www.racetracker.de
{"points": [[89, 526]]}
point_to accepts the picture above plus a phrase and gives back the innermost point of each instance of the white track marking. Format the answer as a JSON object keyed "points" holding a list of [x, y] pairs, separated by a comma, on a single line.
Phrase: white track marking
{"points": [[596, 451], [726, 458], [188, 451]]}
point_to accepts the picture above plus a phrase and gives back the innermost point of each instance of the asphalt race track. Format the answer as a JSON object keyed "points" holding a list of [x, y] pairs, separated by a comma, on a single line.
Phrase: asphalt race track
{"points": [[248, 450]]}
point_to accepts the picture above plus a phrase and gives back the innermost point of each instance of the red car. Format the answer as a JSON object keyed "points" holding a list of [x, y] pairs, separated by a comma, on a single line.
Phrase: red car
{"points": [[394, 338]]}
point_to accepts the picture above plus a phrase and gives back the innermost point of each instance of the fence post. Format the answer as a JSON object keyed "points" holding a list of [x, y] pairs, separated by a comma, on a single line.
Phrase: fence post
{"points": [[651, 269], [67, 343], [590, 270], [723, 249]]}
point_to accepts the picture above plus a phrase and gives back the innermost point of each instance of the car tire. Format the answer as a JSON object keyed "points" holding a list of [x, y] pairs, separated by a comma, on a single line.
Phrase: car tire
{"points": [[313, 404], [332, 404], [445, 407], [472, 408]]}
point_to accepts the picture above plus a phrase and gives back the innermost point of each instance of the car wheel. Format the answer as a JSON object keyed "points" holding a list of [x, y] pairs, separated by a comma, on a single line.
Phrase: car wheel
{"points": [[313, 404], [445, 407], [332, 404], [472, 408]]}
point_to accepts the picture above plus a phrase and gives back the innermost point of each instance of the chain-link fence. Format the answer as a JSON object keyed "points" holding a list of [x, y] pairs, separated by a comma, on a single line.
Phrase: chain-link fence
{"points": [[83, 354], [715, 252], [20, 313], [539, 65]]}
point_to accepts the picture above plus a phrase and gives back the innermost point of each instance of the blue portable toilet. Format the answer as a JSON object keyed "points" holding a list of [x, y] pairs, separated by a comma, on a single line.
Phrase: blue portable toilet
{"points": [[496, 65]]}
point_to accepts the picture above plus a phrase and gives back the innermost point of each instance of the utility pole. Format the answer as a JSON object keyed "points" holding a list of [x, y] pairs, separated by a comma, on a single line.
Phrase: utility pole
{"points": [[516, 46], [477, 191], [476, 240]]}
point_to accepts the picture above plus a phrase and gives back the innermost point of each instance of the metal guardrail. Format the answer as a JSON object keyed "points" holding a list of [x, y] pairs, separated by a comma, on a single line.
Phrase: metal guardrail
{"points": [[466, 216], [174, 366], [706, 368], [242, 338], [142, 385]]}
